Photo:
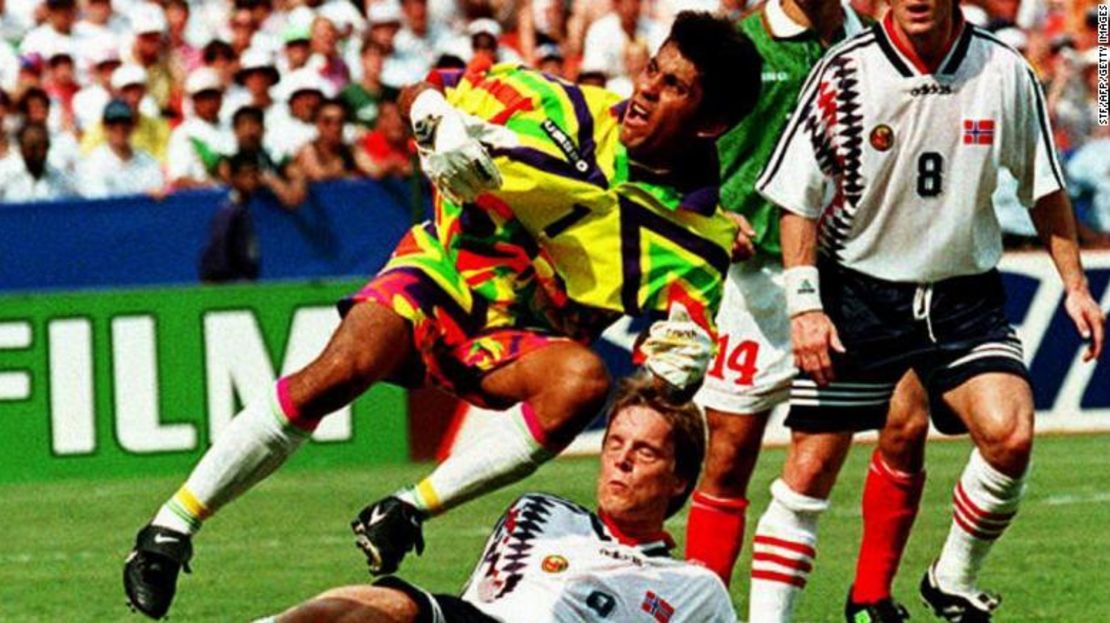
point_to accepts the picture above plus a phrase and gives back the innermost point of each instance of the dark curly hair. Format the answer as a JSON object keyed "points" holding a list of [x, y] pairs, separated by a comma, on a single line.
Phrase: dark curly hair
{"points": [[729, 66]]}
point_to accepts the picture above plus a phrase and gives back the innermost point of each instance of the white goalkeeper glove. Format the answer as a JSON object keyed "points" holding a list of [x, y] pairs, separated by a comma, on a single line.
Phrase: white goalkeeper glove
{"points": [[452, 158], [677, 350]]}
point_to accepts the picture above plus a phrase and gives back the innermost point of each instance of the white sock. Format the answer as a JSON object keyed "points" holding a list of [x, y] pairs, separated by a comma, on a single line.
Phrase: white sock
{"points": [[783, 551], [507, 454], [983, 504], [254, 444]]}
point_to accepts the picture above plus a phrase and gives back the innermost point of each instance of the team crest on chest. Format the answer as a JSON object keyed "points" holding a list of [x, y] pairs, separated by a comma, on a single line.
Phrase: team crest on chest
{"points": [[554, 564], [882, 137]]}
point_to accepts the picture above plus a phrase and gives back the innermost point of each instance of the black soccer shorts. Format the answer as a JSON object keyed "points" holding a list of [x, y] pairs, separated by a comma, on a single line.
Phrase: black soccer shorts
{"points": [[437, 608], [947, 332]]}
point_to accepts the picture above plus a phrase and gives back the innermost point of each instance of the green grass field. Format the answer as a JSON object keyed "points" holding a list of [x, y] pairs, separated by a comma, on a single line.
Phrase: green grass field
{"points": [[62, 544]]}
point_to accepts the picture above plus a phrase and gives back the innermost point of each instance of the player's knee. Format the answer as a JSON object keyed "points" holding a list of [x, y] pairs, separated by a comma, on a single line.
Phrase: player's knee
{"points": [[583, 380], [729, 460], [1008, 447], [811, 473], [903, 440]]}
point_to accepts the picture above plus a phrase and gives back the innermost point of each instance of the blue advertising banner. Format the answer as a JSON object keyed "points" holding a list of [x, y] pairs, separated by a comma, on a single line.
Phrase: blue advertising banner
{"points": [[344, 228]]}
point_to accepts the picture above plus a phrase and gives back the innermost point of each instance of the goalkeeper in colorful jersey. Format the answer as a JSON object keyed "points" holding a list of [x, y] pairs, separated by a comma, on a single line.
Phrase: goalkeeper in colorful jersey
{"points": [[754, 367], [560, 209]]}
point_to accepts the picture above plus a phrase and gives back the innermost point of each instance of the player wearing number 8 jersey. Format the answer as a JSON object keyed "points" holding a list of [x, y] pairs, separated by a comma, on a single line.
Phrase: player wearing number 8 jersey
{"points": [[906, 127], [561, 209], [755, 366]]}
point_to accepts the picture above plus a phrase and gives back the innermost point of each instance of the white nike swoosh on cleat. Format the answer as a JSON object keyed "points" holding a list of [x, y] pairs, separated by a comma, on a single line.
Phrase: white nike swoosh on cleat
{"points": [[159, 538], [376, 516]]}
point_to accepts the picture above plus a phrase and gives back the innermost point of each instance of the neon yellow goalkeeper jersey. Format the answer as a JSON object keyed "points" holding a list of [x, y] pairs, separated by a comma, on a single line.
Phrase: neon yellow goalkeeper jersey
{"points": [[607, 233]]}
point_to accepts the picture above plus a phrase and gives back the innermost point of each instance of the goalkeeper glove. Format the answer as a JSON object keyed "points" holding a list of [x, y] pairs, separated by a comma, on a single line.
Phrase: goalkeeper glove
{"points": [[454, 160], [677, 350]]}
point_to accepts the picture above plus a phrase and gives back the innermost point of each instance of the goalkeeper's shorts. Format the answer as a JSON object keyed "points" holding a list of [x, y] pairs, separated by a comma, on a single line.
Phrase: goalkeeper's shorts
{"points": [[466, 322]]}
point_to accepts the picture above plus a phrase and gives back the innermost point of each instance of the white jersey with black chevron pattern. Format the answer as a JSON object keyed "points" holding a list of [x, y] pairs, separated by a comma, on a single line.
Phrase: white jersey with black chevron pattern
{"points": [[898, 161], [550, 560]]}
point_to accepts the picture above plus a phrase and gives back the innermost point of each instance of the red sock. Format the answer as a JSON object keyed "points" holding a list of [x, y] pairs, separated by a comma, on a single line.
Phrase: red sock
{"points": [[715, 532], [890, 502]]}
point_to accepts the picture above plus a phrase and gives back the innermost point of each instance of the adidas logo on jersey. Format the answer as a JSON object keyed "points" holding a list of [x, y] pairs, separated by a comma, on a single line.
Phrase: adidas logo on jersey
{"points": [[931, 89]]}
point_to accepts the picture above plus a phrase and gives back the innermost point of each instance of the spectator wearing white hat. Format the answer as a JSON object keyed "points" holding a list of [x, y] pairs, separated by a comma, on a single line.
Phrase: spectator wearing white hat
{"points": [[152, 132], [296, 49], [197, 145], [116, 167], [254, 84], [303, 91], [607, 37], [485, 39], [61, 15], [89, 102], [385, 18], [148, 50]]}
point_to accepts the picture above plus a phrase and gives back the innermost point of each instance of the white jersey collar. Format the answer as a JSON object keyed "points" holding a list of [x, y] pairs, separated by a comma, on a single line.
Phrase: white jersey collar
{"points": [[782, 26]]}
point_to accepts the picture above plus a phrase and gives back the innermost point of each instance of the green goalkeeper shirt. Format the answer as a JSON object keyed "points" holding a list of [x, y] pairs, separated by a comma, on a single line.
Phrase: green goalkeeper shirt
{"points": [[789, 52]]}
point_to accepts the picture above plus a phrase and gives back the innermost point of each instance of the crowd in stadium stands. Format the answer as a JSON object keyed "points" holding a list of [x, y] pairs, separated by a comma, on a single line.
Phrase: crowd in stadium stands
{"points": [[110, 97]]}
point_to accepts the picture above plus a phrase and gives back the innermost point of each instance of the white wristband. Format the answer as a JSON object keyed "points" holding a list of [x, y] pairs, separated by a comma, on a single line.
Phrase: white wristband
{"points": [[803, 289]]}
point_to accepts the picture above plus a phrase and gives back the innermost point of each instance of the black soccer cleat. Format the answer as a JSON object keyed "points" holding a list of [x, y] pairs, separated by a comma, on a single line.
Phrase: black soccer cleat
{"points": [[387, 530], [150, 572], [885, 611], [956, 607]]}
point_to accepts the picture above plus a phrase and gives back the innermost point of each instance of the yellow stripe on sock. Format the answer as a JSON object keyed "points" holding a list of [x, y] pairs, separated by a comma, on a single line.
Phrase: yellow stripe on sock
{"points": [[428, 496], [191, 504]]}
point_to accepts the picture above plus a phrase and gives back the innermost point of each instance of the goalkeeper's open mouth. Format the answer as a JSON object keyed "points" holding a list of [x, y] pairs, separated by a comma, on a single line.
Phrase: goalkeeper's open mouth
{"points": [[637, 117]]}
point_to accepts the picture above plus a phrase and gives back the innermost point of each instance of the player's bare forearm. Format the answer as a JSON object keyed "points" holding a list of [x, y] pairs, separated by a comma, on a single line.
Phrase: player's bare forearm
{"points": [[408, 96], [1054, 221], [798, 235]]}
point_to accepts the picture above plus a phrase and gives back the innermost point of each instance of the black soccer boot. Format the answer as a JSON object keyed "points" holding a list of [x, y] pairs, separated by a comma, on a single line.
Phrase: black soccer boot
{"points": [[885, 611], [150, 572], [387, 530], [955, 607]]}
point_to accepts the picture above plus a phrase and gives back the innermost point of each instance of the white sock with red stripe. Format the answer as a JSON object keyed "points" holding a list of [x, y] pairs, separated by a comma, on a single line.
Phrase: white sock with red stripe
{"points": [[984, 503], [783, 551]]}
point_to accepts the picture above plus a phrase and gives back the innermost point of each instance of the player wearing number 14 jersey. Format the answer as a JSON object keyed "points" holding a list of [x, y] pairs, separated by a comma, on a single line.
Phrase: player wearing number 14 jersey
{"points": [[906, 127]]}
